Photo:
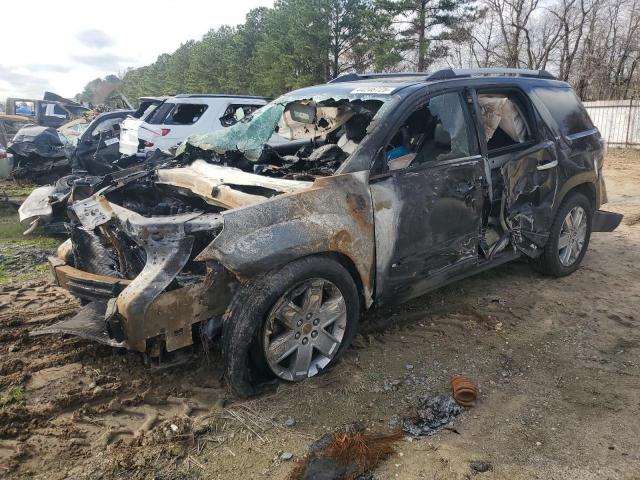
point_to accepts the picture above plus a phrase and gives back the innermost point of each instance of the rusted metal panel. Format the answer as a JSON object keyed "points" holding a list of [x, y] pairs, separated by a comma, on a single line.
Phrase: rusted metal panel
{"points": [[333, 215]]}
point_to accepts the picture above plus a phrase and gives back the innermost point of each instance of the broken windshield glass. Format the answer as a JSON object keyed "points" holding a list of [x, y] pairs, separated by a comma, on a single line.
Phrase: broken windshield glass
{"points": [[293, 118]]}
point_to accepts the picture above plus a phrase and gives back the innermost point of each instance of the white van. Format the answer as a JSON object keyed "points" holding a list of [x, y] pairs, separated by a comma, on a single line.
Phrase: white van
{"points": [[178, 117]]}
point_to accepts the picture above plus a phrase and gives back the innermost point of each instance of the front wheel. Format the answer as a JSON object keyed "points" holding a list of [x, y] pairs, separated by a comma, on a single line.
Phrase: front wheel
{"points": [[568, 238], [290, 324]]}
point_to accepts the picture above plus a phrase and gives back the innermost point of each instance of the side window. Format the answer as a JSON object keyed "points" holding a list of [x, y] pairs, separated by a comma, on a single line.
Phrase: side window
{"points": [[505, 120], [53, 110], [107, 128], [437, 131], [185, 114], [566, 109], [27, 108], [234, 113], [158, 115]]}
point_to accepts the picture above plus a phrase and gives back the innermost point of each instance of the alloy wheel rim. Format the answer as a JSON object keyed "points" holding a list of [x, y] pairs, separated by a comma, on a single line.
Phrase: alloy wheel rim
{"points": [[572, 236], [304, 329]]}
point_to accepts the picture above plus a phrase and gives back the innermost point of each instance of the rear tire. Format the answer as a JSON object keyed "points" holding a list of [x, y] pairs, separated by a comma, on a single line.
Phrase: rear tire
{"points": [[568, 243], [248, 323]]}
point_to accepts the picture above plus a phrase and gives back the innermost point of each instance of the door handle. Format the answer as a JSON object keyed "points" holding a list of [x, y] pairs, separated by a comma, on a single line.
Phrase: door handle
{"points": [[548, 165]]}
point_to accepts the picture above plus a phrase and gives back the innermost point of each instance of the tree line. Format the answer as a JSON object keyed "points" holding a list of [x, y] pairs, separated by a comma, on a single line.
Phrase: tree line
{"points": [[592, 44]]}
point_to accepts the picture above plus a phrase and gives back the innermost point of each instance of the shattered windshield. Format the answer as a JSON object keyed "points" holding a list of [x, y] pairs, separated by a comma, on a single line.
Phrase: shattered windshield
{"points": [[296, 136], [70, 132]]}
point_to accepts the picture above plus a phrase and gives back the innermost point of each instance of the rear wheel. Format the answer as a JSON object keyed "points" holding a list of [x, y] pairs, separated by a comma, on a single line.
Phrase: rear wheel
{"points": [[568, 239], [290, 324]]}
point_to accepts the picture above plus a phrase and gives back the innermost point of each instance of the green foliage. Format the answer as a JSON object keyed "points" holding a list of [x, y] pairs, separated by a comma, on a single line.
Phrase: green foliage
{"points": [[294, 44], [299, 43]]}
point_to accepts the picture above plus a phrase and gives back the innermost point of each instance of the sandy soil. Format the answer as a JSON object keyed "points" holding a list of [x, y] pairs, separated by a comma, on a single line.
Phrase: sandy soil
{"points": [[557, 362]]}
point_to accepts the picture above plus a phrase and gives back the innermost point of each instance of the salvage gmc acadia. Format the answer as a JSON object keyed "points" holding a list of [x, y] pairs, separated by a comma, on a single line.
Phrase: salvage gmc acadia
{"points": [[279, 230]]}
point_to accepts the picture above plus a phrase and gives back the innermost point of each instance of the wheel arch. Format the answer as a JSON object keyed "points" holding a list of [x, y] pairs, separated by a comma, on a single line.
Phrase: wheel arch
{"points": [[579, 185]]}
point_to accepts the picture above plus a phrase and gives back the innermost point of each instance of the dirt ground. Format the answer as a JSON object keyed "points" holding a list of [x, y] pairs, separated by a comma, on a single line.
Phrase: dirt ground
{"points": [[557, 362]]}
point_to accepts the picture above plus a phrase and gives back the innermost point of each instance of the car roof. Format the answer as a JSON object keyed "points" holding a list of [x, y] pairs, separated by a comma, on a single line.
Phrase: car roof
{"points": [[220, 95], [403, 83]]}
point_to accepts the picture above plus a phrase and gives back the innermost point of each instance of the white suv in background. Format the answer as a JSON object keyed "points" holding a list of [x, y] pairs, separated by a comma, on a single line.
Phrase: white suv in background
{"points": [[178, 117]]}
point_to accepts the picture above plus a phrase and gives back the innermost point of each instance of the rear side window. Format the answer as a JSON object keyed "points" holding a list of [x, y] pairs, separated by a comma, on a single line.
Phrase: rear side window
{"points": [[504, 119], [234, 113], [177, 114], [185, 114], [108, 128], [159, 114], [566, 109]]}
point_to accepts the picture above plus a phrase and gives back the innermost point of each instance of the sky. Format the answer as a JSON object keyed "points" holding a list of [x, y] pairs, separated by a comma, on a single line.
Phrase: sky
{"points": [[61, 45]]}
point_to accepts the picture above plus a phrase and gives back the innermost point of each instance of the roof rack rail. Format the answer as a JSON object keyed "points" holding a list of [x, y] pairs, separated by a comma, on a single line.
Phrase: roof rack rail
{"points": [[354, 77], [477, 72], [448, 73]]}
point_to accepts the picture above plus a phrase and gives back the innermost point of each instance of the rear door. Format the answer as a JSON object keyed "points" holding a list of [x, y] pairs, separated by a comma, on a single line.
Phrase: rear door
{"points": [[522, 149], [428, 199]]}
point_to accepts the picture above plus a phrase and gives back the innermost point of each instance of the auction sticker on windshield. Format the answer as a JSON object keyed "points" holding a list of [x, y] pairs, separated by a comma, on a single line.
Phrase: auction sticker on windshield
{"points": [[379, 90]]}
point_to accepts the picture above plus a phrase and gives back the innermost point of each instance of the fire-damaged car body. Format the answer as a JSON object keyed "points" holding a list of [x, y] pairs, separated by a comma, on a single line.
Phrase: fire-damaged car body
{"points": [[279, 230], [42, 155]]}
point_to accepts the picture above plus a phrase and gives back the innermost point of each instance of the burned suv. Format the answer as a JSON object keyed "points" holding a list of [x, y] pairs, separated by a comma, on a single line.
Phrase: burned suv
{"points": [[277, 232]]}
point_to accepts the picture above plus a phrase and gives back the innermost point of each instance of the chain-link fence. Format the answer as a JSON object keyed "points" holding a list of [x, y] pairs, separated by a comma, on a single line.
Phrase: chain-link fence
{"points": [[617, 120]]}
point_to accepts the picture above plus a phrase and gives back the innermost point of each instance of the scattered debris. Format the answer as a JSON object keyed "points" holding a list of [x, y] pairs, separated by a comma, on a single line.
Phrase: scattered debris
{"points": [[286, 456], [39, 155], [480, 466], [434, 413], [464, 391], [349, 453], [289, 422]]}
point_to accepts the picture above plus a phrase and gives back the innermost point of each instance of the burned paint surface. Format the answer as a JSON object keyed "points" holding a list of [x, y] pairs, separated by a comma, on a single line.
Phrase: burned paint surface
{"points": [[427, 222], [233, 208], [335, 213], [530, 194]]}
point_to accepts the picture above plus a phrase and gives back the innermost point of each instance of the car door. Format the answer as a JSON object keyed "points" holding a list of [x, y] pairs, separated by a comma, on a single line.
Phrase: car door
{"points": [[529, 171], [99, 146], [427, 199]]}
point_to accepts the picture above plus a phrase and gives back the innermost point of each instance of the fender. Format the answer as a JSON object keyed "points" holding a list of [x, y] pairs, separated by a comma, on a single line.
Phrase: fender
{"points": [[588, 177], [335, 214]]}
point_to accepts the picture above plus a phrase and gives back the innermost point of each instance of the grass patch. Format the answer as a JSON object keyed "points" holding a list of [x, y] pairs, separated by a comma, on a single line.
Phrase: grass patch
{"points": [[15, 397], [12, 189], [22, 257]]}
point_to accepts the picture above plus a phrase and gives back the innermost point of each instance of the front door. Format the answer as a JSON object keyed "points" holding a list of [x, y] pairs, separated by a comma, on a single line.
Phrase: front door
{"points": [[428, 200], [99, 147]]}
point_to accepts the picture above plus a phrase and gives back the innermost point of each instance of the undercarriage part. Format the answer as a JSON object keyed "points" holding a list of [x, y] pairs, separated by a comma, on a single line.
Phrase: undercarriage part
{"points": [[87, 323]]}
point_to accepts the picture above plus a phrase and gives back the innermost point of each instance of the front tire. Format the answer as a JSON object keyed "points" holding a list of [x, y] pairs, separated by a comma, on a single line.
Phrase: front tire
{"points": [[568, 238], [289, 324]]}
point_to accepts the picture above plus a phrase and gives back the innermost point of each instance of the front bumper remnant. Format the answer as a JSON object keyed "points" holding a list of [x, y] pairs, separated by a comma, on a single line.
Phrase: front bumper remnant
{"points": [[133, 312]]}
